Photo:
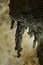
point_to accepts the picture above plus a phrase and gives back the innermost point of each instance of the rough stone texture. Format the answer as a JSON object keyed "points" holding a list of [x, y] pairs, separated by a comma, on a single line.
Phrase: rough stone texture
{"points": [[7, 42], [40, 52]]}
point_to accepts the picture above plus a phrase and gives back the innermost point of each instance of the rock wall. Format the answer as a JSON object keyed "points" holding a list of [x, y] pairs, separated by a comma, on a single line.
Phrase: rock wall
{"points": [[7, 41]]}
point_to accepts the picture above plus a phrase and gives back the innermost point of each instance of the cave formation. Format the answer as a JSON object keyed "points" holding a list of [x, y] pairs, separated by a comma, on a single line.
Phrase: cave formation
{"points": [[27, 13]]}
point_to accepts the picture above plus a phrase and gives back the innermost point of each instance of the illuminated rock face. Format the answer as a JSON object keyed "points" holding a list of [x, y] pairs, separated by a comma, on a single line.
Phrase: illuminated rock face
{"points": [[8, 56], [31, 19], [27, 16]]}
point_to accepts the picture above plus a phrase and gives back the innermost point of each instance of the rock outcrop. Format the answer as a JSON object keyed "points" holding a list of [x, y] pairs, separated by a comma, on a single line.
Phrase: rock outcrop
{"points": [[8, 55]]}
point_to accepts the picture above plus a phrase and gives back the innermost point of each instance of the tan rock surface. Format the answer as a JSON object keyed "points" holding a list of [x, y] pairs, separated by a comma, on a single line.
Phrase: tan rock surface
{"points": [[7, 42]]}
